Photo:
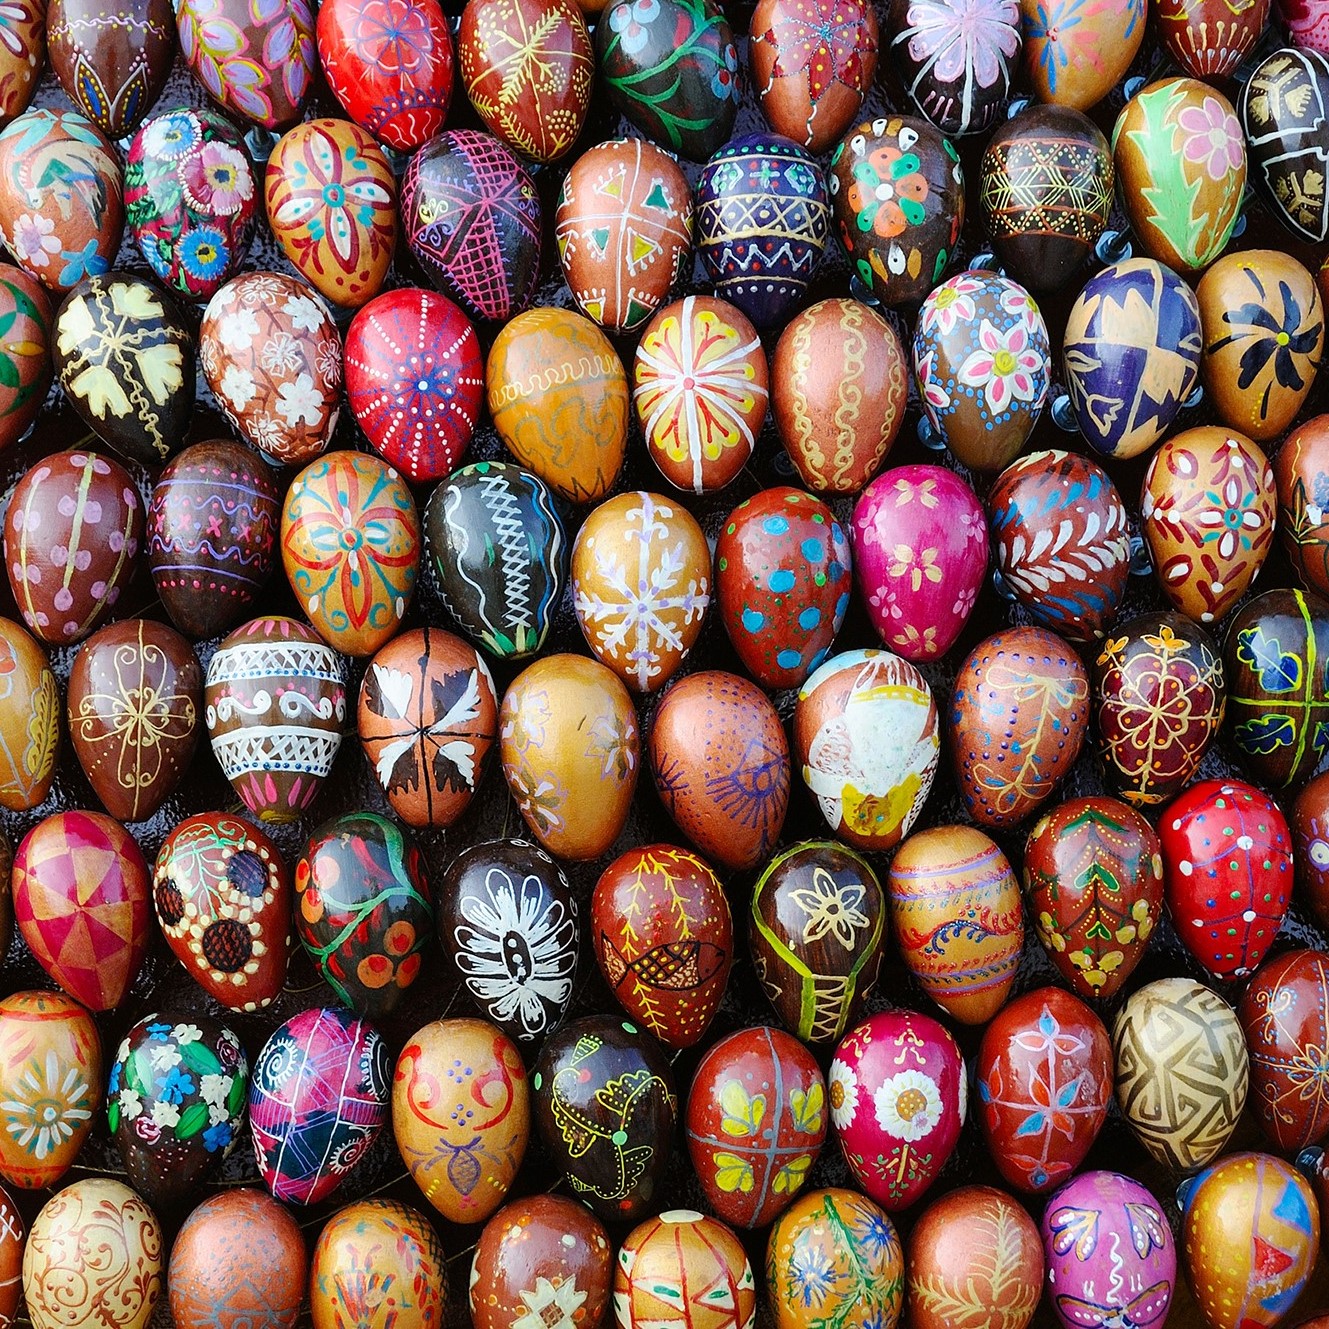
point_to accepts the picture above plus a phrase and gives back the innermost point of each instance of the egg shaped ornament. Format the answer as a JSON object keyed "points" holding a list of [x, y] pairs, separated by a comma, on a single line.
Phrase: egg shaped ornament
{"points": [[1250, 1234], [837, 1250], [664, 940], [1074, 60], [1301, 476], [783, 572], [1093, 880], [955, 912], [1018, 719], [605, 1109], [641, 585], [461, 1114], [1131, 355], [25, 349], [272, 357], [350, 543], [1209, 41], [623, 228], [499, 555], [898, 1096], [700, 389], [256, 64], [1043, 1087], [363, 910], [390, 65], [94, 1250], [756, 1122], [61, 197], [11, 1258], [332, 205], [567, 725], [682, 1258], [318, 1097], [72, 531], [175, 1101], [275, 699], [135, 711], [29, 720], [816, 933], [415, 381], [839, 388], [1061, 540], [1227, 856], [51, 1078], [508, 920], [1110, 1253], [1309, 821], [1045, 189], [763, 219], [721, 765], [977, 1250], [921, 550], [222, 896], [542, 1255], [1278, 704], [471, 217], [897, 191], [21, 62]]}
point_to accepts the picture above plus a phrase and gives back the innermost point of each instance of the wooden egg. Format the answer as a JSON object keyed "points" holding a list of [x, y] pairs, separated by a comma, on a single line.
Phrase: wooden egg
{"points": [[81, 902], [318, 1098], [428, 724], [135, 706], [21, 63], [72, 532], [623, 228], [1310, 844], [25, 345], [94, 1255], [222, 896], [544, 1255], [13, 1234], [921, 551], [1073, 59], [1301, 474], [700, 387], [721, 765], [1131, 354], [641, 584], [664, 940], [667, 1261], [461, 1114], [1208, 40], [238, 1257], [612, 1146], [1018, 718], [271, 355], [897, 191], [1061, 540], [955, 911], [332, 204], [51, 1080], [1043, 1088], [974, 1253], [897, 1095], [816, 933], [1045, 188], [275, 703], [839, 386], [558, 396], [811, 92], [756, 1122], [1181, 1071], [29, 720], [567, 725]]}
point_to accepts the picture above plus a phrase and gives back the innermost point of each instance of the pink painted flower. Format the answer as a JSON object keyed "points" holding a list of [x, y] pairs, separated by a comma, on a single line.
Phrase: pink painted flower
{"points": [[964, 38], [217, 180], [1006, 367], [1213, 137], [951, 304], [935, 397], [34, 240]]}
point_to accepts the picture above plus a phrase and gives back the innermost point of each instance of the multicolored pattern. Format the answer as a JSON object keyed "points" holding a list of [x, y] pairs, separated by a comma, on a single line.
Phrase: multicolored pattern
{"points": [[29, 720], [25, 348], [1301, 472], [20, 67], [1075, 50]]}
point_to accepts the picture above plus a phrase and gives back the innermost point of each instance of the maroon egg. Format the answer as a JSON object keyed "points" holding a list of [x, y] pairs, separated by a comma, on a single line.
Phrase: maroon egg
{"points": [[1310, 844], [25, 351], [1209, 38]]}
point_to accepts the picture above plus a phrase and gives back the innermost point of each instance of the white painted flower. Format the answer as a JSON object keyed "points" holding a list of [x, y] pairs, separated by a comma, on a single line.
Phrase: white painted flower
{"points": [[163, 1056], [307, 315], [908, 1105], [238, 328], [300, 401], [54, 1104], [282, 354], [34, 240], [131, 1103], [843, 1093], [185, 1034], [1007, 367], [165, 1114], [237, 386], [550, 1307], [213, 1089]]}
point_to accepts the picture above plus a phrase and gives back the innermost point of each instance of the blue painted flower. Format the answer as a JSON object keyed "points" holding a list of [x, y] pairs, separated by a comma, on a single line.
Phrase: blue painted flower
{"points": [[724, 82], [159, 1031], [175, 1084], [813, 1274], [203, 253], [86, 262], [217, 1136], [171, 136], [876, 1235], [114, 1086], [631, 21]]}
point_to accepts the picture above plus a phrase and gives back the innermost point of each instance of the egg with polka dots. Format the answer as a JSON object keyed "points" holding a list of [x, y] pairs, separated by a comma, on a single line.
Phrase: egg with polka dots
{"points": [[783, 570]]}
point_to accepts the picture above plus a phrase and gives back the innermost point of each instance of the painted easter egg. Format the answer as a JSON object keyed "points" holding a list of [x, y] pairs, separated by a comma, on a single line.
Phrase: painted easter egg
{"points": [[1305, 23], [567, 725], [29, 720], [721, 765], [471, 216], [275, 700], [72, 531], [955, 911], [1074, 59], [1209, 40], [921, 551], [21, 62], [1301, 475], [816, 933], [1310, 843], [318, 1098], [1019, 716], [25, 348], [13, 1234]]}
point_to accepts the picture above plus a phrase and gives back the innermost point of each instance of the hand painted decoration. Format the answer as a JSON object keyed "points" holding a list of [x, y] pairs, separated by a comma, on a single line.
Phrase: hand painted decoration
{"points": [[25, 349], [21, 63], [1310, 844], [29, 721], [1301, 474], [1304, 21], [1208, 40], [14, 1234]]}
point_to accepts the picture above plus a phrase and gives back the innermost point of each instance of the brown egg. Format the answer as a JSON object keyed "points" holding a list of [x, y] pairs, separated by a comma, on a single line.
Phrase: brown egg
{"points": [[1074, 56], [29, 720], [1310, 844], [13, 1232], [25, 345], [566, 726], [22, 57], [1301, 473], [1210, 38]]}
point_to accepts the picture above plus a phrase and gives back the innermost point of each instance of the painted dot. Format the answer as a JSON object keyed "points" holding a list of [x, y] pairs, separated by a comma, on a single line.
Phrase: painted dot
{"points": [[775, 525], [788, 659], [781, 580], [620, 1138], [753, 619], [809, 618], [813, 550]]}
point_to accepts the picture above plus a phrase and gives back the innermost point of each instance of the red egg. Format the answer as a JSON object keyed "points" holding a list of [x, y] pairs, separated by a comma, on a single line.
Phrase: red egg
{"points": [[1310, 844]]}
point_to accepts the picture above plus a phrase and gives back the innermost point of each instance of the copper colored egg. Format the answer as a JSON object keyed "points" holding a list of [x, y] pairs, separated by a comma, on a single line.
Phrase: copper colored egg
{"points": [[1301, 474], [22, 58], [29, 720], [1310, 844], [1074, 59], [13, 1232], [25, 344], [1208, 40]]}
